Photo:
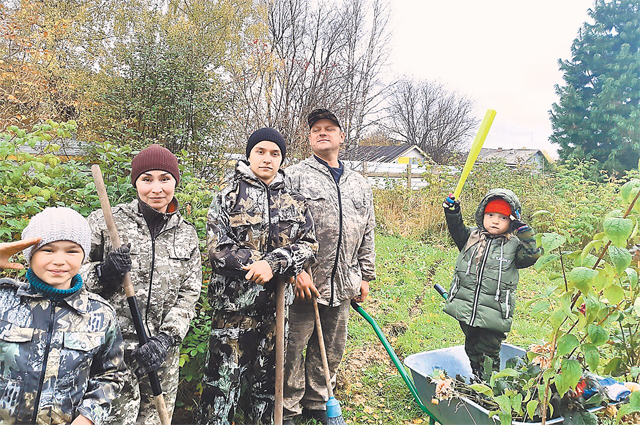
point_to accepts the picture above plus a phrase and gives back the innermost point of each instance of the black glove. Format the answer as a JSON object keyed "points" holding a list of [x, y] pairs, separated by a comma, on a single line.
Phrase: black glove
{"points": [[151, 355], [117, 263], [519, 226], [451, 204]]}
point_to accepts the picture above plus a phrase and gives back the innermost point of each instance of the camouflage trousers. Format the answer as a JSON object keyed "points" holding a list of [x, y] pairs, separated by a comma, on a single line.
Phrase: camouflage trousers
{"points": [[480, 343], [304, 381], [134, 404], [240, 370]]}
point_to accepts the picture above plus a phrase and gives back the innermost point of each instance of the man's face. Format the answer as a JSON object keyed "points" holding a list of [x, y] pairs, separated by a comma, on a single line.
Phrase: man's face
{"points": [[325, 137], [56, 263], [264, 160]]}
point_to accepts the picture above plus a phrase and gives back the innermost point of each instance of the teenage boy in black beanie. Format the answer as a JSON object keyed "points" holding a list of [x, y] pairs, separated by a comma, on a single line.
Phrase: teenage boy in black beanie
{"points": [[256, 230]]}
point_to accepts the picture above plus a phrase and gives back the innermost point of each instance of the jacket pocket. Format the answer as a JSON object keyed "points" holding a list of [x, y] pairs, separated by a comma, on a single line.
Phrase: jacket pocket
{"points": [[83, 341], [507, 303], [455, 287], [11, 395]]}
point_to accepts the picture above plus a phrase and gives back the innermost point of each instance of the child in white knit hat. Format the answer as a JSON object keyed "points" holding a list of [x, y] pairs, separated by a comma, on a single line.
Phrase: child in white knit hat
{"points": [[63, 353]]}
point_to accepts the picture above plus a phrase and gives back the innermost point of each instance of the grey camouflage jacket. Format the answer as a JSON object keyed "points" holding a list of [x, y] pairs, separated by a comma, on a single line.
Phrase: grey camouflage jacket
{"points": [[344, 219], [248, 222], [483, 291], [67, 355], [166, 273]]}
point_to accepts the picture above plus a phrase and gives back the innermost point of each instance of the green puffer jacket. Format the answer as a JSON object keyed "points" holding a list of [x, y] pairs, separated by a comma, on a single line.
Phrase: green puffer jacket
{"points": [[483, 291]]}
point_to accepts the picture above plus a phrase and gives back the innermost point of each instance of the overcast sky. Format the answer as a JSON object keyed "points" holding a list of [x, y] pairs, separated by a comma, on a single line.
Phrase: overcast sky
{"points": [[503, 54]]}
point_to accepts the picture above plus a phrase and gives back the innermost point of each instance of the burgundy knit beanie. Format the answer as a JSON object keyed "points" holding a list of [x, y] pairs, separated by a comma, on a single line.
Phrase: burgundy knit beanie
{"points": [[155, 157]]}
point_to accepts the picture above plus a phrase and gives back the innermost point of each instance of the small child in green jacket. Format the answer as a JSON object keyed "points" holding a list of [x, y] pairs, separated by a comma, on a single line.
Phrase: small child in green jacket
{"points": [[482, 295]]}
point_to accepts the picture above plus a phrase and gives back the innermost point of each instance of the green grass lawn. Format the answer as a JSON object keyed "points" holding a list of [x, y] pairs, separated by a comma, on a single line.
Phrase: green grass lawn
{"points": [[408, 309]]}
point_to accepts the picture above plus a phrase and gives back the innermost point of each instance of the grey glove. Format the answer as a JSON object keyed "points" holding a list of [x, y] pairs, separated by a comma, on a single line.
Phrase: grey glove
{"points": [[152, 355], [115, 265]]}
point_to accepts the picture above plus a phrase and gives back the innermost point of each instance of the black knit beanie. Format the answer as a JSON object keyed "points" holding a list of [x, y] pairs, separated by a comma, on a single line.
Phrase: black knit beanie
{"points": [[268, 134], [155, 157]]}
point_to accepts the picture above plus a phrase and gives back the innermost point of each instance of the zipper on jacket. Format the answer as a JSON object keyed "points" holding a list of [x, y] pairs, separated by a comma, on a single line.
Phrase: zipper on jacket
{"points": [[474, 309], [153, 265], [508, 306], [335, 263], [36, 404]]}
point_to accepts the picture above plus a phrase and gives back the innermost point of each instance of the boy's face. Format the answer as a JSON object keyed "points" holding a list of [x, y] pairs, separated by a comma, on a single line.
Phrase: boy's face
{"points": [[56, 263], [156, 189], [496, 223], [264, 160]]}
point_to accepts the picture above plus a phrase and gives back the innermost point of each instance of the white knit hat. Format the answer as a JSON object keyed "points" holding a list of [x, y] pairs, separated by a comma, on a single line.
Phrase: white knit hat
{"points": [[57, 224]]}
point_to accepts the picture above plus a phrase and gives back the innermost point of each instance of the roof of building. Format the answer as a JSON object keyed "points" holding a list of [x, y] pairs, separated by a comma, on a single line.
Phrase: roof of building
{"points": [[378, 153], [510, 156]]}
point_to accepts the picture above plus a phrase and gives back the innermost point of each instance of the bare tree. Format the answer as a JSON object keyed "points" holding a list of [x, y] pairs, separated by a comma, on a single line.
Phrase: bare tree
{"points": [[426, 114], [329, 55]]}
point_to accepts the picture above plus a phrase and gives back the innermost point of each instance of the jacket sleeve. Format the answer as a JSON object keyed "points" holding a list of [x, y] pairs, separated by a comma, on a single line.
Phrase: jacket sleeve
{"points": [[528, 252], [291, 259], [227, 255], [367, 249], [458, 231], [106, 378], [176, 321]]}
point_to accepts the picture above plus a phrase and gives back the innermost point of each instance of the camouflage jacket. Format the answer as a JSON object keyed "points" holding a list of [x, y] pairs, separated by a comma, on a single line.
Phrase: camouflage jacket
{"points": [[344, 219], [247, 222], [166, 272], [66, 356]]}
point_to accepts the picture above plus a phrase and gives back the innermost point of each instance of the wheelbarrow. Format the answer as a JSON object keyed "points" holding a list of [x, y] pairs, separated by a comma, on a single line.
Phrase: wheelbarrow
{"points": [[454, 361]]}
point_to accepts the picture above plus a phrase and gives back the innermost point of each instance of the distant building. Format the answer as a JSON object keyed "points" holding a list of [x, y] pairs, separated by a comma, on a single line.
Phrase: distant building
{"points": [[515, 157], [402, 154]]}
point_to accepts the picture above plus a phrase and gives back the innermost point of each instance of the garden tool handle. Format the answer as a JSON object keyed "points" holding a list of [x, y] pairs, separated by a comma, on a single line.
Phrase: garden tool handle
{"points": [[279, 396], [476, 147], [323, 352], [136, 317]]}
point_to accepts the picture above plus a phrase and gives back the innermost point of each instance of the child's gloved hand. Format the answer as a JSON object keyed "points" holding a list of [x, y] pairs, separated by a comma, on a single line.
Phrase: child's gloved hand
{"points": [[451, 204], [519, 226]]}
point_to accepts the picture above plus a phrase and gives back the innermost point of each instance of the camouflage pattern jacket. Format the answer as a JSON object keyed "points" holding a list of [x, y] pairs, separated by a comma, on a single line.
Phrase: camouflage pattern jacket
{"points": [[166, 272], [248, 222], [65, 356], [344, 219]]}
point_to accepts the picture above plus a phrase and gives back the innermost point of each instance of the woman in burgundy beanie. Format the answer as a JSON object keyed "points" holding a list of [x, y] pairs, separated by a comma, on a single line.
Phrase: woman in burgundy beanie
{"points": [[160, 250], [155, 157]]}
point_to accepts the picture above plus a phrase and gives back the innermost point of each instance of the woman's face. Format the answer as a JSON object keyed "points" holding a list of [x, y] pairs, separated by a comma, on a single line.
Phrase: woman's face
{"points": [[156, 189]]}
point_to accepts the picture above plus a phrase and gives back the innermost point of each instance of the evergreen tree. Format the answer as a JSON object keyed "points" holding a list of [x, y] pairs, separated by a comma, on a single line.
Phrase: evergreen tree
{"points": [[598, 115]]}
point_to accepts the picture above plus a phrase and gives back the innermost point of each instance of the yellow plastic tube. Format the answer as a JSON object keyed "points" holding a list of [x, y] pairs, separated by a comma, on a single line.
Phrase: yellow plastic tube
{"points": [[475, 149]]}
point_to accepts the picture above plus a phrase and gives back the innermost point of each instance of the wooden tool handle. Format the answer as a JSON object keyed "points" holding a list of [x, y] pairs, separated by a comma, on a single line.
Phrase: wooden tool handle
{"points": [[323, 352]]}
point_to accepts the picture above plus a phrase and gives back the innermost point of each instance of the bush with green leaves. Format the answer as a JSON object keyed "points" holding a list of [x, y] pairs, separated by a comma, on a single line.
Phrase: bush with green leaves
{"points": [[593, 309]]}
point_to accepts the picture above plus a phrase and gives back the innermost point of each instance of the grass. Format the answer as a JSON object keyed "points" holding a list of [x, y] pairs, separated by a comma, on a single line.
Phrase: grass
{"points": [[408, 309]]}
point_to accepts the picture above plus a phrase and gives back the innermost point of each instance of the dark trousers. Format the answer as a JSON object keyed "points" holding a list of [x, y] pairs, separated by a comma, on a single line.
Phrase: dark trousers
{"points": [[480, 342], [240, 370]]}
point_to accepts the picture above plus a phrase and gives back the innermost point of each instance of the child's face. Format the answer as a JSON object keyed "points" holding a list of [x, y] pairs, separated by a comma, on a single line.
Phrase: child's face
{"points": [[56, 263], [496, 223], [264, 160]]}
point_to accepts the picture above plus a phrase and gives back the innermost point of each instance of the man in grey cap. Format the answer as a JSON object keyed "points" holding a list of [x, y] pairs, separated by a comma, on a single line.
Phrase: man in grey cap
{"points": [[341, 205]]}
